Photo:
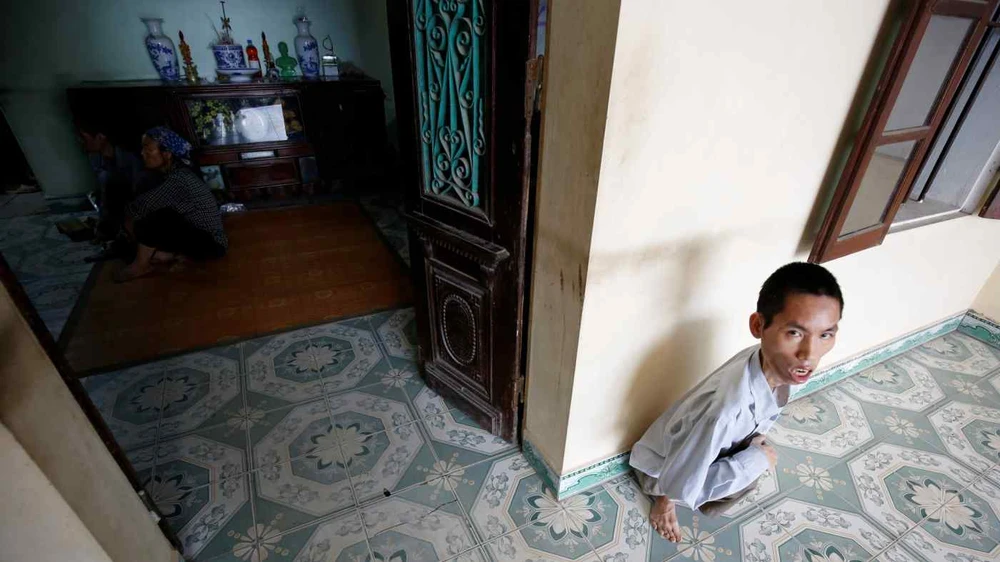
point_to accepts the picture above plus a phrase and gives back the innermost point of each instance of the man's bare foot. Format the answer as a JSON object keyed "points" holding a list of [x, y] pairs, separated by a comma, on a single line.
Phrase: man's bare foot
{"points": [[130, 272], [663, 517]]}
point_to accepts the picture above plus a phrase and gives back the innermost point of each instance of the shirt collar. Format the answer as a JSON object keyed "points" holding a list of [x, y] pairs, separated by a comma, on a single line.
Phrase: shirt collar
{"points": [[765, 399]]}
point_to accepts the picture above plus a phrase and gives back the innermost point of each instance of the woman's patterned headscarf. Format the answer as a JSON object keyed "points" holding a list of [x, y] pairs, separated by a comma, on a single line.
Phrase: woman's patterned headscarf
{"points": [[171, 142]]}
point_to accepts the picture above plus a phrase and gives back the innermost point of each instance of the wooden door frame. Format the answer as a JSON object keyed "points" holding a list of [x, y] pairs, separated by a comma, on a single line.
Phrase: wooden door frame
{"points": [[58, 359]]}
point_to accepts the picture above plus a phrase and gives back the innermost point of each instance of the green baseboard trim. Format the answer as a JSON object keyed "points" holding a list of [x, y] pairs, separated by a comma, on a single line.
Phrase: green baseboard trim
{"points": [[874, 356], [549, 476], [970, 322], [981, 327], [593, 475], [578, 480]]}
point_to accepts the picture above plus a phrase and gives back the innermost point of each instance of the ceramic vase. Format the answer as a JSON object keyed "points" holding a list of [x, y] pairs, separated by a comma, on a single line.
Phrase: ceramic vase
{"points": [[306, 49], [229, 57], [161, 50]]}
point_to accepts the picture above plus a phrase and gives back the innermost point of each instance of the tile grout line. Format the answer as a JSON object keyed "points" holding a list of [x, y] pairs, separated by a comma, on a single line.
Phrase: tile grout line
{"points": [[925, 412], [357, 508], [477, 541], [929, 447], [350, 479], [884, 439], [899, 539], [251, 490], [255, 469], [476, 537], [252, 472], [156, 435]]}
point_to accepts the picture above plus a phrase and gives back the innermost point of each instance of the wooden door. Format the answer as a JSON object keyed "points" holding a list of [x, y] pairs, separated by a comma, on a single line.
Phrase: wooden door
{"points": [[459, 69]]}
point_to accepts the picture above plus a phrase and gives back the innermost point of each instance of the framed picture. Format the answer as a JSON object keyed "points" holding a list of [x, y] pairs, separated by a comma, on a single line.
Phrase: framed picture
{"points": [[213, 177]]}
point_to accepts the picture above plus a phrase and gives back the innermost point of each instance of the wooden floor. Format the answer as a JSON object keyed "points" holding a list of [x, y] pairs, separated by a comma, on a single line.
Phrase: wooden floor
{"points": [[285, 268]]}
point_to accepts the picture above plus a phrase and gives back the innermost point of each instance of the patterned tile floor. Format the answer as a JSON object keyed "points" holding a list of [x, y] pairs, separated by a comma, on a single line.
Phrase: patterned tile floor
{"points": [[387, 212], [49, 265], [322, 444]]}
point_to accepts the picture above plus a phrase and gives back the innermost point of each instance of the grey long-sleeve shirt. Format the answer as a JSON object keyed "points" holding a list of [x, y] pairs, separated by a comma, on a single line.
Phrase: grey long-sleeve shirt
{"points": [[688, 448]]}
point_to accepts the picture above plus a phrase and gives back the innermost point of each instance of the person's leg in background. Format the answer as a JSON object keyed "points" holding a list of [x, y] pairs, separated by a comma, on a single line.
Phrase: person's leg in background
{"points": [[159, 237]]}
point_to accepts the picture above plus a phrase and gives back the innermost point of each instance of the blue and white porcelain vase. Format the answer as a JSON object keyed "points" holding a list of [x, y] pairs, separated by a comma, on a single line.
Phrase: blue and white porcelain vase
{"points": [[306, 49], [228, 57], [161, 50]]}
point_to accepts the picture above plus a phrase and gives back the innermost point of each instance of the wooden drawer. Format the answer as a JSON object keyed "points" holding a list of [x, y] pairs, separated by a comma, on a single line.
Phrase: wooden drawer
{"points": [[261, 173]]}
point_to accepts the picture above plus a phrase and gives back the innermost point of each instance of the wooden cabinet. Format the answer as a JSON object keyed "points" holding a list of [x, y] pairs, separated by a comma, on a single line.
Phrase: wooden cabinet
{"points": [[268, 139]]}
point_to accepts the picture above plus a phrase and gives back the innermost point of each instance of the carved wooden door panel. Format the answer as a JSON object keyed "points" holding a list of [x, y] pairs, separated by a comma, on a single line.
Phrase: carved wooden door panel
{"points": [[459, 75]]}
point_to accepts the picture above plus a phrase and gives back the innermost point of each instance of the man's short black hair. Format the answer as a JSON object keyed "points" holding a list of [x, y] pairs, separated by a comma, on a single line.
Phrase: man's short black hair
{"points": [[795, 278]]}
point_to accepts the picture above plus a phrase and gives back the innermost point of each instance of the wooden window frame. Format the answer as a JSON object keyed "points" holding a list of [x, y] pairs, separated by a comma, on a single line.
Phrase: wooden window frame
{"points": [[872, 134]]}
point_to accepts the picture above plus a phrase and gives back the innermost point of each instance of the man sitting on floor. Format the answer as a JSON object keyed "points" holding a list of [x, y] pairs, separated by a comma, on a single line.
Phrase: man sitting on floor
{"points": [[120, 177], [708, 450]]}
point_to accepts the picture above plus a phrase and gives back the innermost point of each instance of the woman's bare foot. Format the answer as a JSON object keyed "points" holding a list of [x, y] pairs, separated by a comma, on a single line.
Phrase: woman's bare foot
{"points": [[162, 258], [132, 271], [179, 263], [663, 517]]}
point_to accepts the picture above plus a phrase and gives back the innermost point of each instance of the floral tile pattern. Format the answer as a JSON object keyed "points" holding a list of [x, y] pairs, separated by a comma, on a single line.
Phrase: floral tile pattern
{"points": [[48, 264], [799, 530], [200, 389], [193, 482], [325, 445], [398, 332], [899, 486], [970, 433], [129, 402], [303, 364], [958, 353], [340, 538], [300, 471], [455, 436], [387, 461], [423, 523], [830, 422], [900, 382]]}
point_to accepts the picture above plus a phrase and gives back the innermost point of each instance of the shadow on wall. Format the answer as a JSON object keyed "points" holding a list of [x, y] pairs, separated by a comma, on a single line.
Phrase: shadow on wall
{"points": [[671, 368], [684, 355]]}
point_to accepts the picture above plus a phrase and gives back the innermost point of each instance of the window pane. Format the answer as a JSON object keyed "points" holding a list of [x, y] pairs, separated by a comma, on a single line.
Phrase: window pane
{"points": [[883, 173], [928, 73]]}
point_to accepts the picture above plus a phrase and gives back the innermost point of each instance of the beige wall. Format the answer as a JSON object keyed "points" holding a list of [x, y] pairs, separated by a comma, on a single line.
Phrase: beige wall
{"points": [[38, 524], [721, 123], [580, 48], [39, 411], [988, 301]]}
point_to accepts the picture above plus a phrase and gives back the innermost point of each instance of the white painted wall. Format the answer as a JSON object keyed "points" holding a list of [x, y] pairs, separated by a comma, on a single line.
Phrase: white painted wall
{"points": [[37, 408], [721, 123], [51, 44], [988, 301], [38, 523], [577, 80]]}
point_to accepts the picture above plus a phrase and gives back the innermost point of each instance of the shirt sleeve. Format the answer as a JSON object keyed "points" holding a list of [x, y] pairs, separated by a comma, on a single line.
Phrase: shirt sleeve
{"points": [[694, 474], [153, 200]]}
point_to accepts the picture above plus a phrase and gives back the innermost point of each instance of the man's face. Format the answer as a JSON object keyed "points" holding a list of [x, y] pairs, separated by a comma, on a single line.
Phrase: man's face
{"points": [[798, 336]]}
